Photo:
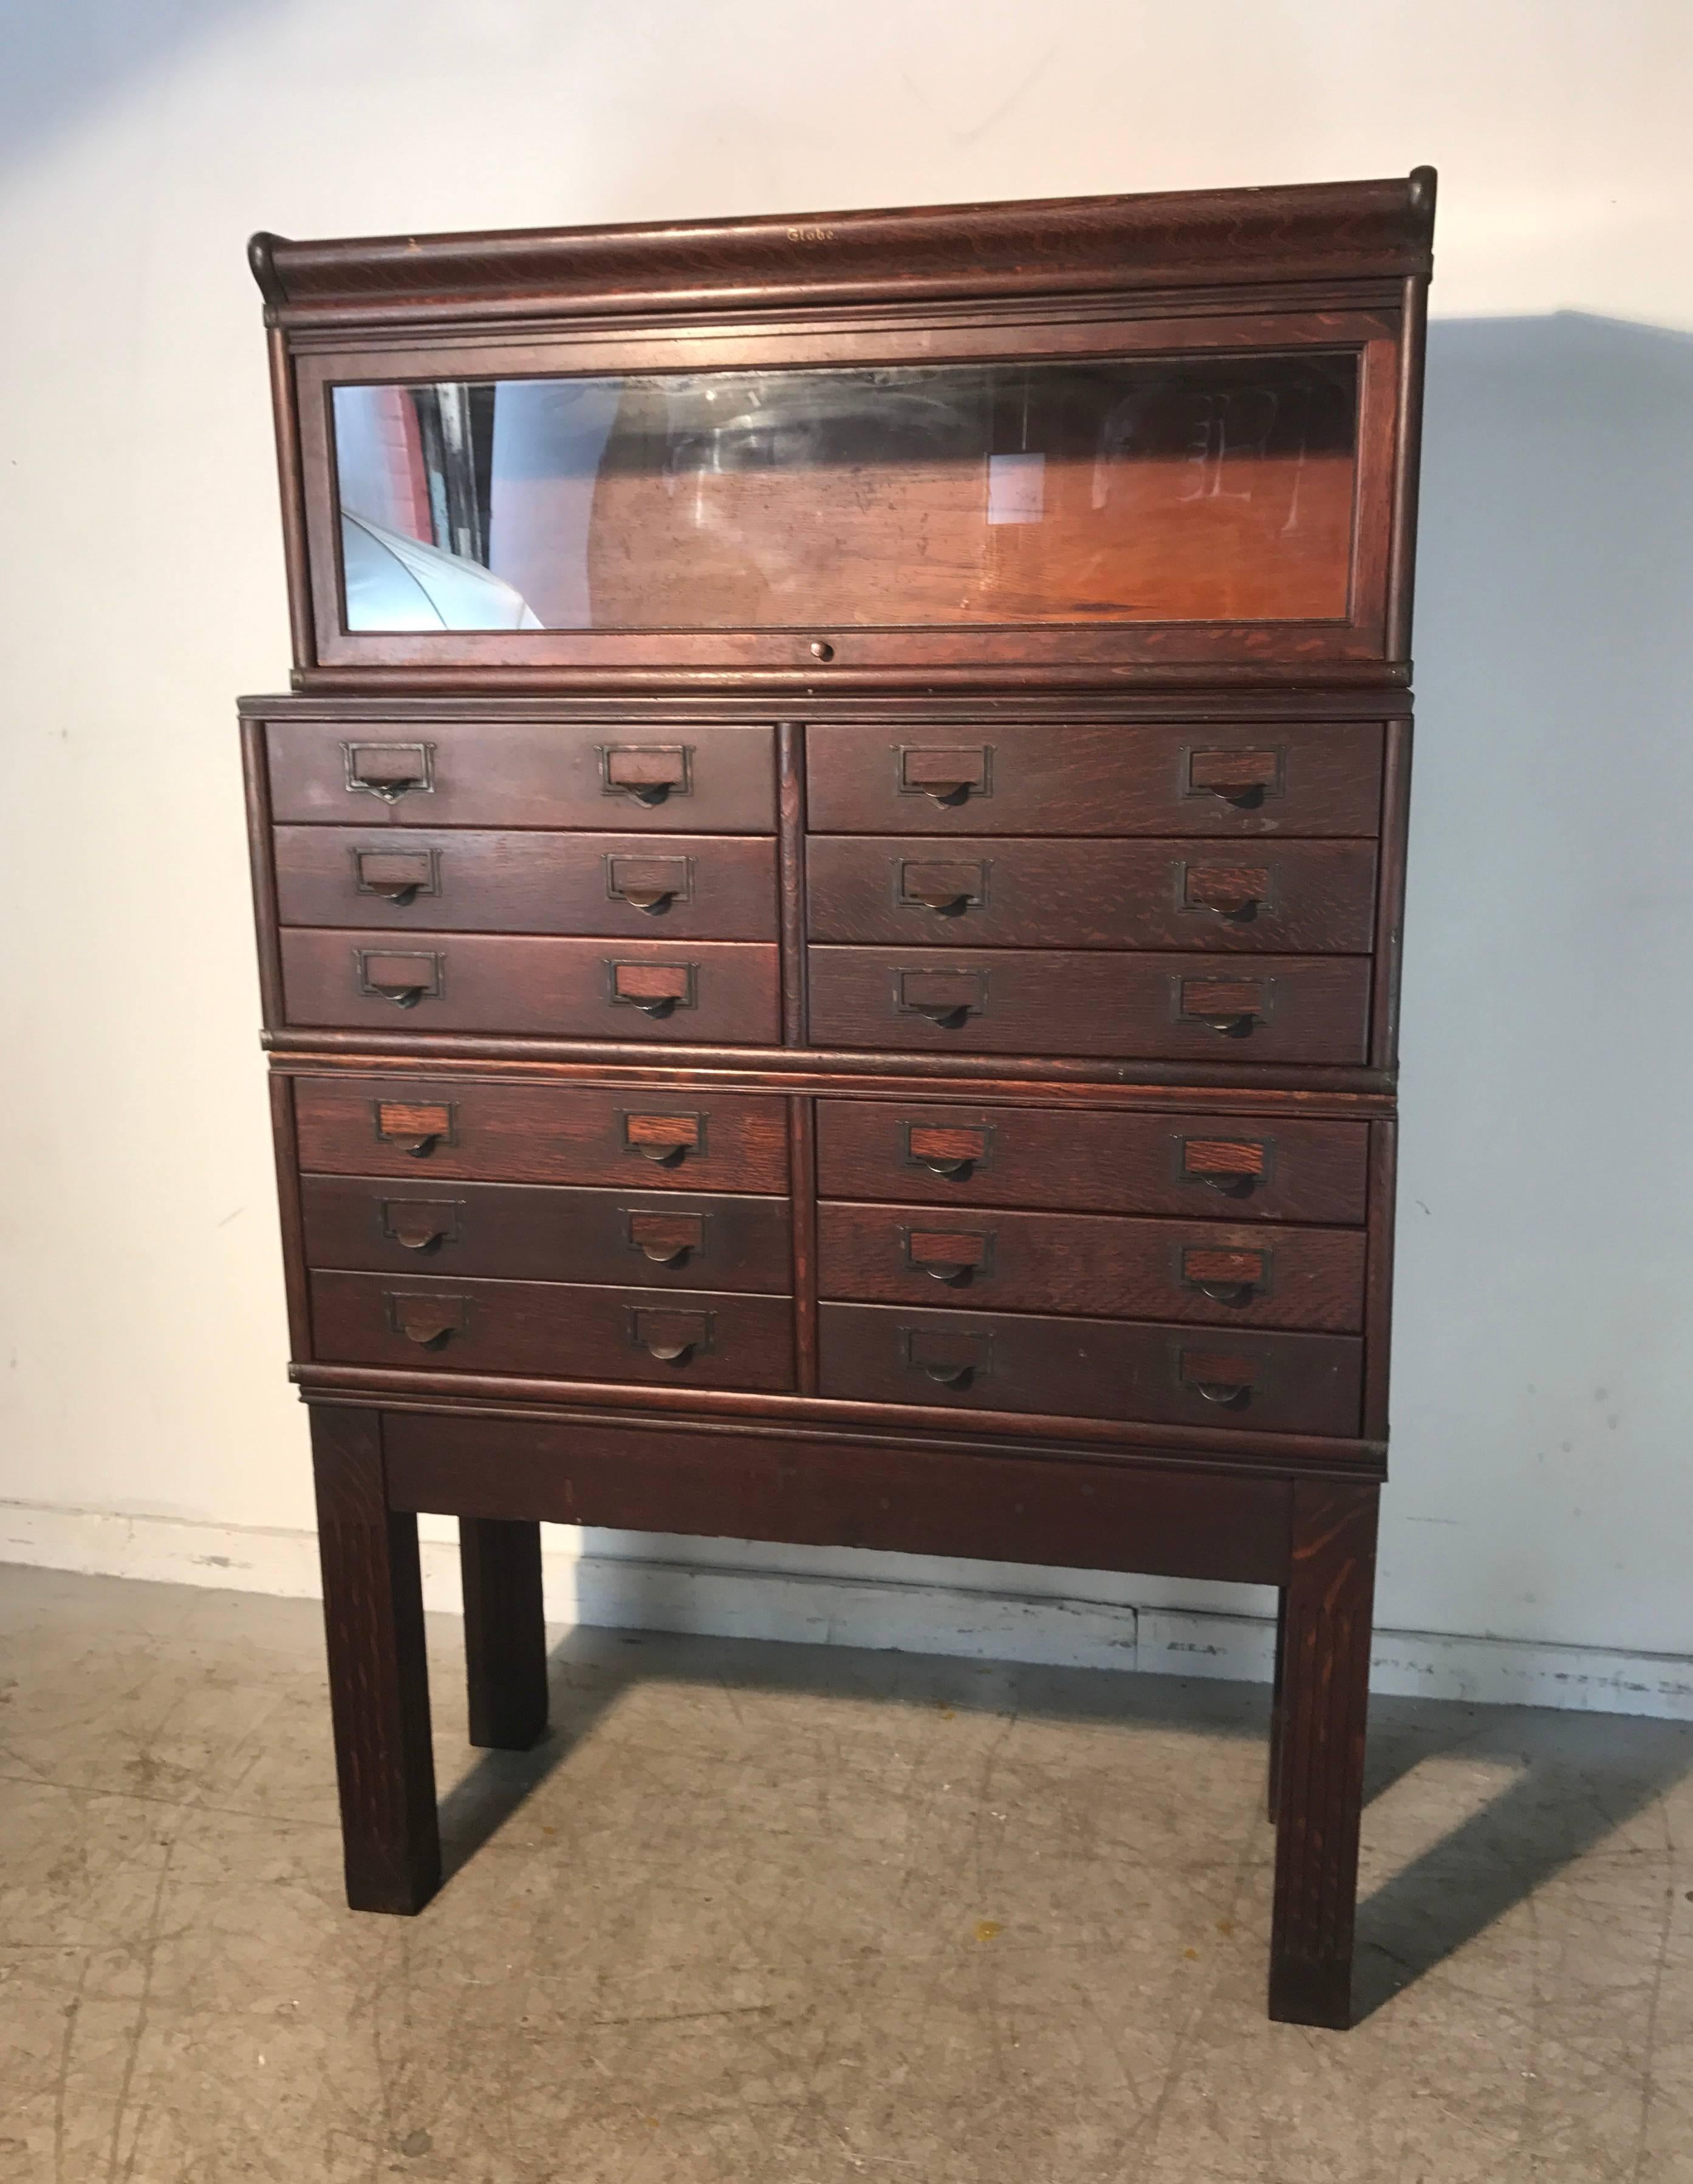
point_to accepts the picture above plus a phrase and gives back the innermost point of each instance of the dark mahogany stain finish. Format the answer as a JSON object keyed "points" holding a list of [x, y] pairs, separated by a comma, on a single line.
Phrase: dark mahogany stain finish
{"points": [[922, 1083]]}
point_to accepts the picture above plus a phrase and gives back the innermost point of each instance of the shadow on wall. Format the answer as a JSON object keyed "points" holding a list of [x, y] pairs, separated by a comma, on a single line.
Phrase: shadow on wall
{"points": [[1546, 1220]]}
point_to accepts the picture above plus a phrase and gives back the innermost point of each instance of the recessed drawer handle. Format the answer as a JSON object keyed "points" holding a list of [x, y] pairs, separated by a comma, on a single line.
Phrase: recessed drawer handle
{"points": [[670, 1353], [942, 791], [1226, 1277], [955, 1171], [949, 1015], [656, 989], [413, 1130], [1236, 895], [666, 1140], [944, 901], [396, 876], [667, 1239], [652, 900], [423, 1235], [949, 1376], [394, 975], [646, 773], [949, 1256], [1242, 778], [389, 770], [430, 1325], [1227, 1382], [1231, 1394], [1233, 1008]]}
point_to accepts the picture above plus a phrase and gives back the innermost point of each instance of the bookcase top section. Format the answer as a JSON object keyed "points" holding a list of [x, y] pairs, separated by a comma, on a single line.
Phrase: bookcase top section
{"points": [[1181, 240]]}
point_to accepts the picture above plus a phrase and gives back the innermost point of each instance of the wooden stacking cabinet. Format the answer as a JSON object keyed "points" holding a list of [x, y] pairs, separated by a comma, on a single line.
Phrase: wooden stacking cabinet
{"points": [[829, 894]]}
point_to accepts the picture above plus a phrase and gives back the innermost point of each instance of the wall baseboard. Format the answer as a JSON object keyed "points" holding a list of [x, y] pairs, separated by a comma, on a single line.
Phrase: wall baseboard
{"points": [[882, 1614]]}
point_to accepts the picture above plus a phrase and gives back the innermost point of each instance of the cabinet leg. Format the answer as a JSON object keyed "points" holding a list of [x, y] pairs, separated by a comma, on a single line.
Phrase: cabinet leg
{"points": [[1320, 1768], [378, 1673], [1272, 1789], [506, 1639]]}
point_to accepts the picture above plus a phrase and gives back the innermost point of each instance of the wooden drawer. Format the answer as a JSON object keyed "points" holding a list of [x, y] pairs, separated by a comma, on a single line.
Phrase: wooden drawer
{"points": [[688, 886], [1308, 897], [1104, 1368], [1276, 1008], [451, 1128], [703, 992], [663, 778], [1095, 1264], [1228, 1167], [1105, 777], [553, 1330], [542, 1233]]}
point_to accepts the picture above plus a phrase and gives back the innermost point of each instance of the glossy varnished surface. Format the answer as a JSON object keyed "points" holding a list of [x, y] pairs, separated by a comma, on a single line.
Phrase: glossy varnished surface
{"points": [[911, 1074]]}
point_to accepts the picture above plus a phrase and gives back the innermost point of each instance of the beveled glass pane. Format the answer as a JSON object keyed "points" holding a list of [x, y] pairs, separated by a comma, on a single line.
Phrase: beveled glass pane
{"points": [[1095, 490]]}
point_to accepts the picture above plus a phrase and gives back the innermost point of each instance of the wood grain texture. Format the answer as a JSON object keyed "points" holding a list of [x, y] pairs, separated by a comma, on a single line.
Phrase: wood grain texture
{"points": [[546, 1233], [1059, 956], [1036, 1001], [1098, 779], [502, 772], [519, 982], [1156, 1375], [1006, 892], [1061, 245], [378, 1675], [505, 1636], [1194, 1166], [643, 1134], [803, 1205], [1209, 1274], [697, 887], [574, 1332], [913, 1499], [1319, 1774]]}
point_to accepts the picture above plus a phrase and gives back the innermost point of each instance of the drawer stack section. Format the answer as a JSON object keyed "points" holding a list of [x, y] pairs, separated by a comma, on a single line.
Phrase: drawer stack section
{"points": [[1165, 1269], [568, 1233], [531, 878], [1156, 890]]}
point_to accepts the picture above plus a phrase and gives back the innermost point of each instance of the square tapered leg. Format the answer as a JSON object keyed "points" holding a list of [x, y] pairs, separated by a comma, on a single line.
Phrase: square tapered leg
{"points": [[378, 1674], [1272, 1787], [506, 1639], [1319, 1772]]}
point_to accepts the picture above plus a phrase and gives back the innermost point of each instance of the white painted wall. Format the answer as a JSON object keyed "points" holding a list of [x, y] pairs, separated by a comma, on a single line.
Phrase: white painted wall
{"points": [[1544, 1490]]}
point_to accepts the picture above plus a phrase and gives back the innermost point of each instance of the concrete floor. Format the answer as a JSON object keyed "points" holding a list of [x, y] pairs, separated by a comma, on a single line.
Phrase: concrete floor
{"points": [[770, 1914]]}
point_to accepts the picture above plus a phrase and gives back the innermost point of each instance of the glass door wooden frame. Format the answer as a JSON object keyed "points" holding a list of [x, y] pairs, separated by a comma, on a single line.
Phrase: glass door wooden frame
{"points": [[860, 655]]}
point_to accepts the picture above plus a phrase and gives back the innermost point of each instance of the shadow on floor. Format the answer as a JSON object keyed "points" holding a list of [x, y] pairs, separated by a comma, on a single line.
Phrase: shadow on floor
{"points": [[1575, 1778]]}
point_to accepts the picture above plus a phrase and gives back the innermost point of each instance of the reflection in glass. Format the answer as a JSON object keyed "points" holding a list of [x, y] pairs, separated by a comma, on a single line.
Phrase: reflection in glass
{"points": [[1093, 490]]}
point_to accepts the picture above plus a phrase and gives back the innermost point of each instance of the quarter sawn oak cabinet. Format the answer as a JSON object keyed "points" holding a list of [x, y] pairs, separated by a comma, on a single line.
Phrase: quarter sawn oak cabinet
{"points": [[829, 891]]}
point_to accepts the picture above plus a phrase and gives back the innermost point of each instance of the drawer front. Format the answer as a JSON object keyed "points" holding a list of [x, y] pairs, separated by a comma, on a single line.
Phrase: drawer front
{"points": [[451, 1128], [1276, 1008], [1088, 1368], [1096, 1265], [702, 992], [1117, 777], [1317, 897], [554, 1331], [1231, 1168], [658, 778], [688, 886], [543, 1233]]}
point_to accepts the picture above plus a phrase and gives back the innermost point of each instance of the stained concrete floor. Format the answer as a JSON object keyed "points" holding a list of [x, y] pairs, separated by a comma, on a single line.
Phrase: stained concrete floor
{"points": [[770, 1915]]}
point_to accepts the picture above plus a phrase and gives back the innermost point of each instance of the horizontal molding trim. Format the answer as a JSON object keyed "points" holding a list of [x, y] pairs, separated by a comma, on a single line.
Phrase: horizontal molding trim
{"points": [[880, 1614]]}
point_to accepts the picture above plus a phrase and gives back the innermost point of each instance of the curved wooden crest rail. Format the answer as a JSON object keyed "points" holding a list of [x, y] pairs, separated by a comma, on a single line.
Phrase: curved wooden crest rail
{"points": [[918, 1075]]}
